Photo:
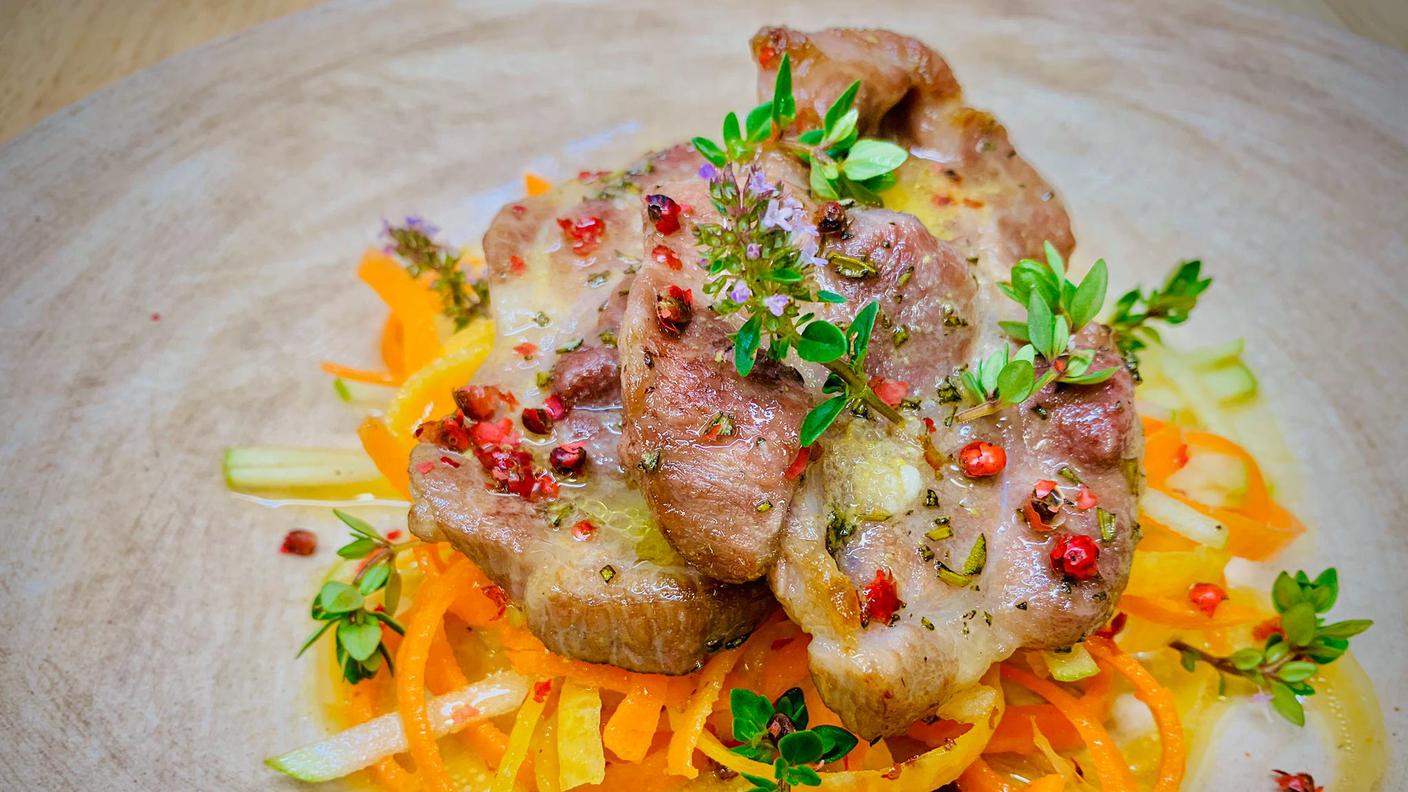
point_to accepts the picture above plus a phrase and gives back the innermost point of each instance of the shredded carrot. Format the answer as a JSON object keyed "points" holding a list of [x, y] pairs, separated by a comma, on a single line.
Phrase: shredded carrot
{"points": [[414, 305], [432, 600], [648, 774], [1164, 451], [533, 184], [393, 354], [358, 375], [529, 657], [390, 453], [630, 728], [1109, 765], [1161, 704], [980, 777], [443, 675], [691, 720], [386, 771], [1014, 732]]}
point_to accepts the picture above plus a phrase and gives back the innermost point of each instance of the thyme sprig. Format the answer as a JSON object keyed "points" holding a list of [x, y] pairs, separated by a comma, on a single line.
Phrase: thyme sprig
{"points": [[758, 259], [1302, 642], [359, 649], [1057, 309], [842, 164], [776, 733], [414, 243], [1171, 304]]}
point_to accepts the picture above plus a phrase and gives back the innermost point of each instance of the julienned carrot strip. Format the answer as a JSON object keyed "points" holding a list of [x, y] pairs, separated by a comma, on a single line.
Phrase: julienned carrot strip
{"points": [[392, 353], [680, 759], [414, 304], [432, 599], [444, 675], [386, 772], [1164, 452], [1109, 765], [980, 777], [390, 454], [630, 728], [533, 184], [529, 657], [1161, 704], [358, 375], [1014, 732]]}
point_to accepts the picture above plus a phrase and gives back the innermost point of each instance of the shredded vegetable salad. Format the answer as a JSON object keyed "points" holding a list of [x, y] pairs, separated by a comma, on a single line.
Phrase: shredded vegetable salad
{"points": [[438, 685]]}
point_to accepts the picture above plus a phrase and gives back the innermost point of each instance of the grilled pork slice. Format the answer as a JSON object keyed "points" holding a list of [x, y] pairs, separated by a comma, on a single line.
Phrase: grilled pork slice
{"points": [[964, 179], [572, 544], [913, 577], [598, 599]]}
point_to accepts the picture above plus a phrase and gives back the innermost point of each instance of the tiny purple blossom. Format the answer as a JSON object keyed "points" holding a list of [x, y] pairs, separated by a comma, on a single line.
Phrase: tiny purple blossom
{"points": [[708, 172], [754, 250], [779, 214], [758, 184], [777, 303], [808, 253], [740, 292]]}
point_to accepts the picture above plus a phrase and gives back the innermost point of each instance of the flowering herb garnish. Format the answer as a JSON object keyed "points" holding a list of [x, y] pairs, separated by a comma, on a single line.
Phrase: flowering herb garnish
{"points": [[1057, 309], [1293, 652], [359, 649], [843, 165], [1171, 304], [414, 242], [776, 733]]}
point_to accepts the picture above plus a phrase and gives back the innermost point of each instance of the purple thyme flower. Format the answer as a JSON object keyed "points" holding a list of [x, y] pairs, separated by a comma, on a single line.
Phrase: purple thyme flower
{"points": [[758, 184], [708, 172], [739, 292], [808, 253], [754, 250], [777, 303], [779, 214]]}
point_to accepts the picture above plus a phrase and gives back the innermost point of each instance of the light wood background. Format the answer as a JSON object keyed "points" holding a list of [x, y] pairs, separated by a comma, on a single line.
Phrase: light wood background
{"points": [[147, 621], [55, 52]]}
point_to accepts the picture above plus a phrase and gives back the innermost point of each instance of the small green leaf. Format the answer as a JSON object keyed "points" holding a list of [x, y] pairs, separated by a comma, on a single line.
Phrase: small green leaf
{"points": [[821, 187], [360, 548], [759, 782], [1054, 261], [1283, 700], [1325, 590], [841, 106], [821, 342], [360, 639], [1093, 378], [1296, 671], [820, 418], [1345, 629], [374, 577], [750, 713], [784, 107], [809, 138], [844, 128], [733, 137], [803, 776], [312, 639], [1298, 622], [391, 596], [758, 125], [800, 748], [1060, 337], [1015, 382], [745, 345], [830, 297], [793, 706], [710, 151], [859, 332], [1090, 296], [836, 742], [1285, 592], [1017, 330], [1246, 659], [1188, 659], [338, 597], [869, 158], [359, 526], [1040, 327]]}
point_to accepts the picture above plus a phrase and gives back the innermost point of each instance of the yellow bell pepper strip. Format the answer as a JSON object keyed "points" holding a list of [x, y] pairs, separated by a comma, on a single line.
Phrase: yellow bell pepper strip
{"points": [[432, 600], [391, 454], [1161, 704], [580, 757], [414, 304], [980, 705], [429, 392], [630, 728], [1110, 766], [520, 738], [1182, 614]]}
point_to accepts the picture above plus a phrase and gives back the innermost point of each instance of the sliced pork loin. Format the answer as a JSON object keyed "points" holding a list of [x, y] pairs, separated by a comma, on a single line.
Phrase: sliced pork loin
{"points": [[593, 575], [964, 179]]}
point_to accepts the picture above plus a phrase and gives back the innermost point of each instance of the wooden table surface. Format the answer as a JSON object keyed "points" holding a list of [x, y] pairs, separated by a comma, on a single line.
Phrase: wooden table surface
{"points": [[55, 52], [148, 624]]}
